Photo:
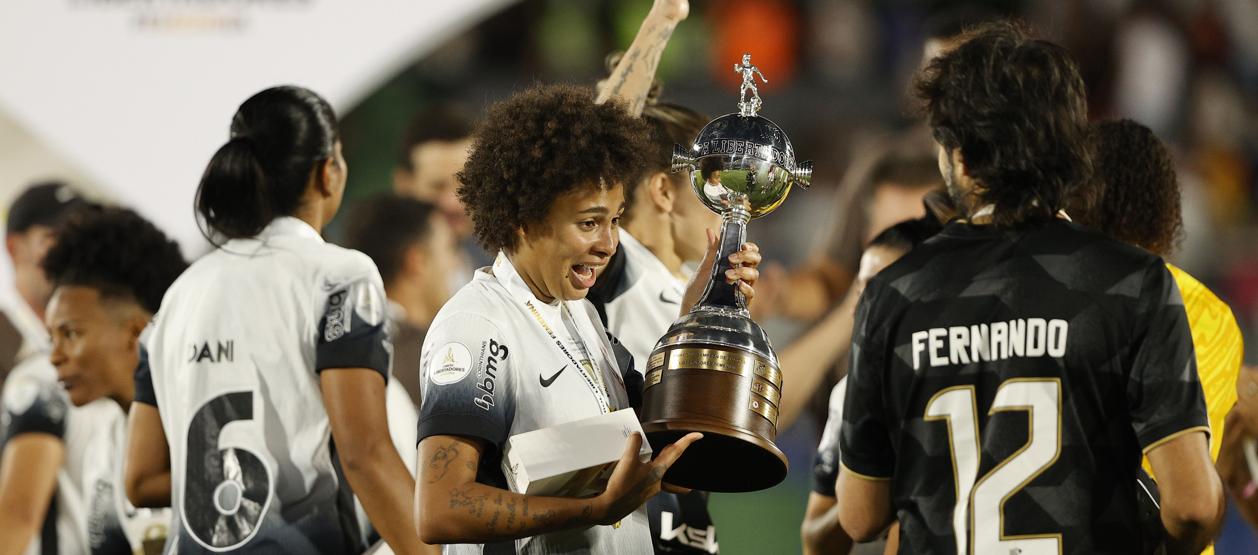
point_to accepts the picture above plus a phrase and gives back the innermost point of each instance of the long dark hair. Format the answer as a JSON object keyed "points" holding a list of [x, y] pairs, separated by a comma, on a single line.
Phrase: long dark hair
{"points": [[1135, 189], [1015, 107], [277, 137]]}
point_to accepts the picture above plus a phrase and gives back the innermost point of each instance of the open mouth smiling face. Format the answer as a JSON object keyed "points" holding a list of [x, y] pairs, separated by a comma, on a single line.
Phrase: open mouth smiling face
{"points": [[563, 256]]}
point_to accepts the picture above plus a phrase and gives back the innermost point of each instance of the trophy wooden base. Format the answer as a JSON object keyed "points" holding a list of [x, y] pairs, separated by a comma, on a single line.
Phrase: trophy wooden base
{"points": [[729, 395]]}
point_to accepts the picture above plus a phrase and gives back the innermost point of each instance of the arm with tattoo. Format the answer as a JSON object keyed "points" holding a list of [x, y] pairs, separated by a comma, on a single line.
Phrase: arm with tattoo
{"points": [[451, 507], [631, 80]]}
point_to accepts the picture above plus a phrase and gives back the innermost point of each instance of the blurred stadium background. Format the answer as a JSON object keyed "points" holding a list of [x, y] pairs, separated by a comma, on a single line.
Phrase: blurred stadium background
{"points": [[838, 71]]}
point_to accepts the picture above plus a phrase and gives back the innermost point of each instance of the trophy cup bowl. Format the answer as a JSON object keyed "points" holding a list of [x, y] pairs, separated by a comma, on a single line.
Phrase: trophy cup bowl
{"points": [[715, 371]]}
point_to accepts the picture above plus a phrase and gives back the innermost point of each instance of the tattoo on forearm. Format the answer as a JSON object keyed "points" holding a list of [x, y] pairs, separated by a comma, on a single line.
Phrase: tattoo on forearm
{"points": [[492, 524], [640, 62], [544, 518], [584, 516], [441, 460], [501, 513], [511, 513], [461, 498]]}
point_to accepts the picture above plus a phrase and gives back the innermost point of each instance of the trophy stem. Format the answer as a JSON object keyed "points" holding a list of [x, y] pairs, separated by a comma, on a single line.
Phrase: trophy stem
{"points": [[719, 294]]}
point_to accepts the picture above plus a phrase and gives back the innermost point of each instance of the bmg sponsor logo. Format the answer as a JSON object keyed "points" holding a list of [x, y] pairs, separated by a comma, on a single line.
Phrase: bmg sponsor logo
{"points": [[487, 377]]}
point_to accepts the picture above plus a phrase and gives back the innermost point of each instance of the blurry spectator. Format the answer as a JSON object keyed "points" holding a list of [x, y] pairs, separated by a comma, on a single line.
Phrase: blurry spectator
{"points": [[1152, 67], [1217, 136], [412, 246], [842, 36], [872, 197], [434, 149], [28, 236]]}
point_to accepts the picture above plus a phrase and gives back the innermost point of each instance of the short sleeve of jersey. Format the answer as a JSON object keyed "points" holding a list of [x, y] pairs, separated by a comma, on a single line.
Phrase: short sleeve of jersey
{"points": [[825, 468], [34, 406], [466, 371], [144, 380], [865, 440], [1163, 390], [352, 328]]}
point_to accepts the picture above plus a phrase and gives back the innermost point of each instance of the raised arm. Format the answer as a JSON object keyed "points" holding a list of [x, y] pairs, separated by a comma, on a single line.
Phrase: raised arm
{"points": [[451, 507], [631, 80]]}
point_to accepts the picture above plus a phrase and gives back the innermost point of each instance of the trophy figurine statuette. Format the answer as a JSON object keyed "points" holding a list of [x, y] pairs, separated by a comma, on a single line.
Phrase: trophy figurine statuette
{"points": [[714, 371]]}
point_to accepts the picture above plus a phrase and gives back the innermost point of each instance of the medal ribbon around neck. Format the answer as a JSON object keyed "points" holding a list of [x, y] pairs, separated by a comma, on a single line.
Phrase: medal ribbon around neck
{"points": [[594, 382]]}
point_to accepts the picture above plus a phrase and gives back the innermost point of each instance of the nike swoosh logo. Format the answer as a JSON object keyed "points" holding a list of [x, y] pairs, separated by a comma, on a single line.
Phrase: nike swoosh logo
{"points": [[667, 300], [547, 382]]}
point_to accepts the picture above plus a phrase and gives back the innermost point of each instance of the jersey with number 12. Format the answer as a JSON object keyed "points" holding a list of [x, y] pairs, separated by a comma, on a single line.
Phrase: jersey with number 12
{"points": [[1007, 383]]}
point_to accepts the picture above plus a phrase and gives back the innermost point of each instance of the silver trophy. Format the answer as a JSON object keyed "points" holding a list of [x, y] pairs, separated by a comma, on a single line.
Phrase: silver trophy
{"points": [[715, 371]]}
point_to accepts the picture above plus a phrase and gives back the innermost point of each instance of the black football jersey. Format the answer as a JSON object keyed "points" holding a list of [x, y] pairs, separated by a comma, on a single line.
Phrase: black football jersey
{"points": [[1007, 382]]}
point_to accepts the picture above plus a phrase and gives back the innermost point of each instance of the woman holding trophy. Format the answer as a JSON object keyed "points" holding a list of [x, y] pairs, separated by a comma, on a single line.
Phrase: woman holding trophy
{"points": [[545, 187]]}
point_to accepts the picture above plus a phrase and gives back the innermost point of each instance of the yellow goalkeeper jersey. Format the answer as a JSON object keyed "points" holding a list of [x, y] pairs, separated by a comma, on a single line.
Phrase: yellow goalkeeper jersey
{"points": [[1217, 341]]}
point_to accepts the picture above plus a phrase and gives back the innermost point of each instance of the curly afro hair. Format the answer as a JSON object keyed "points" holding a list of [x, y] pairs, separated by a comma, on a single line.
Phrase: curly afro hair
{"points": [[1136, 194], [542, 143], [116, 252], [1015, 107]]}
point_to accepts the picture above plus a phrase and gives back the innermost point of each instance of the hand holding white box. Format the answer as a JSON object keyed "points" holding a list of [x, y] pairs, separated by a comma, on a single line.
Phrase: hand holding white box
{"points": [[574, 459]]}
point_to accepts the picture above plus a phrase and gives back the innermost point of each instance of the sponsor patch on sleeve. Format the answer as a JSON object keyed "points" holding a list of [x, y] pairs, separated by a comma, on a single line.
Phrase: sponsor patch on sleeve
{"points": [[451, 363]]}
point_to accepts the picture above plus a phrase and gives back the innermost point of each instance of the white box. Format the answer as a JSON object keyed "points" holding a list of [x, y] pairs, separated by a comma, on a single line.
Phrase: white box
{"points": [[573, 459]]}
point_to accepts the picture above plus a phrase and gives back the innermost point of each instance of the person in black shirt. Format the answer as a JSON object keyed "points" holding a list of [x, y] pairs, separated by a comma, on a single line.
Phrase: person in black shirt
{"points": [[820, 531], [1007, 375]]}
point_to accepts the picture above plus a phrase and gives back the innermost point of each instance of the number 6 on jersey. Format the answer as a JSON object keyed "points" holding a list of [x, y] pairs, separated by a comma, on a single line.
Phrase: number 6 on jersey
{"points": [[981, 501], [226, 490]]}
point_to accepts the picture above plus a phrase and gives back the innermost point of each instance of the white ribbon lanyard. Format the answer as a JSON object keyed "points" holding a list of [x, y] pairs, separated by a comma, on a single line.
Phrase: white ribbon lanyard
{"points": [[590, 375]]}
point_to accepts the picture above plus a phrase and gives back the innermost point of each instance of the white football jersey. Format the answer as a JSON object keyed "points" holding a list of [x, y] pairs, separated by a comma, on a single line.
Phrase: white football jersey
{"points": [[825, 469], [236, 352], [89, 512], [646, 304], [499, 362], [641, 299]]}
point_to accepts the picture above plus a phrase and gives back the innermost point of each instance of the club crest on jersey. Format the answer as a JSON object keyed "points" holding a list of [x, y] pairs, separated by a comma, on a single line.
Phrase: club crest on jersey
{"points": [[493, 353], [335, 323], [450, 364]]}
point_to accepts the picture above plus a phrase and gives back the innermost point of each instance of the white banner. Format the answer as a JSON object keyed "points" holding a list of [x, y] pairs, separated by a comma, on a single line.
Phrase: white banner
{"points": [[139, 93]]}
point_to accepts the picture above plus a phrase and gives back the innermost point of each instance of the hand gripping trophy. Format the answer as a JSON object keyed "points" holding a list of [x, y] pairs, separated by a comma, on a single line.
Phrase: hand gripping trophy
{"points": [[715, 371]]}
